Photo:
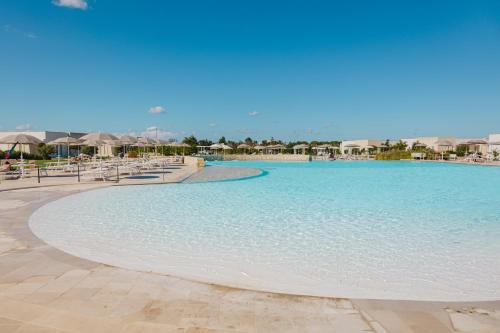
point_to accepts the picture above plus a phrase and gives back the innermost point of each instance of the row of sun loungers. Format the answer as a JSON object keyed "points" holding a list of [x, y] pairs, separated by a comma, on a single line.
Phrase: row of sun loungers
{"points": [[98, 169]]}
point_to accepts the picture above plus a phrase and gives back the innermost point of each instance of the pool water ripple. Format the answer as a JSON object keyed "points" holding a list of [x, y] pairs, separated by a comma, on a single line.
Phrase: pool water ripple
{"points": [[387, 230]]}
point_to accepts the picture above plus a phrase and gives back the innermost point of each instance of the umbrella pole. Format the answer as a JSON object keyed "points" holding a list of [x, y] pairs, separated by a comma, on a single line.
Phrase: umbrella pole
{"points": [[22, 161]]}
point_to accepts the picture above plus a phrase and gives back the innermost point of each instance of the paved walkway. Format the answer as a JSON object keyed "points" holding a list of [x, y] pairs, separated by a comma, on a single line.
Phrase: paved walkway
{"points": [[45, 290]]}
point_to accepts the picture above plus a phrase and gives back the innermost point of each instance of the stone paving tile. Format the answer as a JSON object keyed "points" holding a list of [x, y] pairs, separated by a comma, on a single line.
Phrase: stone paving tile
{"points": [[9, 325], [472, 321], [20, 311], [29, 328]]}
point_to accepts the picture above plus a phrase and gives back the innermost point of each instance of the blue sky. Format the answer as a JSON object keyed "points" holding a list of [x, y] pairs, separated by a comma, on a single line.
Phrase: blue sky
{"points": [[289, 69]]}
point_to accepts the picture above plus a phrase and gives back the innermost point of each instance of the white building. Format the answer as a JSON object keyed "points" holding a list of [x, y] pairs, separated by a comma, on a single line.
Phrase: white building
{"points": [[350, 146], [494, 143], [44, 136]]}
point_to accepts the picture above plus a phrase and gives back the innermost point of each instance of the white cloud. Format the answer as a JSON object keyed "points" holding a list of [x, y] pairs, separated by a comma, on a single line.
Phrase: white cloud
{"points": [[157, 109], [23, 127], [212, 125], [78, 4], [253, 113], [11, 29]]}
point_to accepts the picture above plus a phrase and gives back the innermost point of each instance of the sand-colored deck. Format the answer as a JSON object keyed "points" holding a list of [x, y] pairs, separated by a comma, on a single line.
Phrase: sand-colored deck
{"points": [[45, 290]]}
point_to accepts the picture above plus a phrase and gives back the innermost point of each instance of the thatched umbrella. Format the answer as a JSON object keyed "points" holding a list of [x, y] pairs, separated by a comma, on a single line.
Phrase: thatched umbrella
{"points": [[162, 143], [144, 142], [93, 143], [444, 143], [65, 140], [184, 145], [99, 136], [127, 140], [21, 139]]}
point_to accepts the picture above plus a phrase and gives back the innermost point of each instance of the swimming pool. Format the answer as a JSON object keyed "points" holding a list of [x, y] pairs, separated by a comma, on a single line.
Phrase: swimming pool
{"points": [[386, 230]]}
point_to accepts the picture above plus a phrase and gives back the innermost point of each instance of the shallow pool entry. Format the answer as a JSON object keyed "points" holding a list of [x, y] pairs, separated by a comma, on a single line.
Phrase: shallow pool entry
{"points": [[391, 230]]}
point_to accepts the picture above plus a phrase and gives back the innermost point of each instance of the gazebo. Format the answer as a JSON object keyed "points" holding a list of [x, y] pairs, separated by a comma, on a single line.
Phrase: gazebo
{"points": [[322, 150], [260, 149], [419, 145], [274, 149], [244, 146], [300, 147], [203, 150], [215, 147], [476, 145], [350, 147], [369, 149]]}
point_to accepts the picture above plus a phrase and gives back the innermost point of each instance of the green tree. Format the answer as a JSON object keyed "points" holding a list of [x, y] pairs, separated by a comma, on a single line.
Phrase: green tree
{"points": [[205, 142], [249, 141], [222, 139], [191, 140], [400, 146], [88, 150], [45, 150]]}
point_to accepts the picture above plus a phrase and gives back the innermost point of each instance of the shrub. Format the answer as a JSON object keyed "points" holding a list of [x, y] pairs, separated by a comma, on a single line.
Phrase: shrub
{"points": [[44, 151], [88, 150], [133, 154], [393, 155]]}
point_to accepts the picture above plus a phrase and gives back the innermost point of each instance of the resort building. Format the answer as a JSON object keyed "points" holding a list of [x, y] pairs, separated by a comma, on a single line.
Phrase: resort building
{"points": [[350, 147], [494, 143], [44, 136]]}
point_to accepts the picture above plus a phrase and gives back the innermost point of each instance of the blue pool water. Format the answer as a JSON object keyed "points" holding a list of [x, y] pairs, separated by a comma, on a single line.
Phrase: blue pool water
{"points": [[390, 230]]}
